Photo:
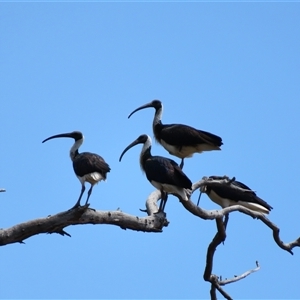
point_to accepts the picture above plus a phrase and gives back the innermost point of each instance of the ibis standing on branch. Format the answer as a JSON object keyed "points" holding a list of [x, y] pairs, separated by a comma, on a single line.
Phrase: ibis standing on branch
{"points": [[88, 167], [178, 139], [226, 195], [163, 173]]}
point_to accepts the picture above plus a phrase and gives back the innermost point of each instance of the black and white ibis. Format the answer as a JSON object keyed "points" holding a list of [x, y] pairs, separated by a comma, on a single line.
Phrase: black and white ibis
{"points": [[227, 195], [163, 173], [178, 139], [88, 167]]}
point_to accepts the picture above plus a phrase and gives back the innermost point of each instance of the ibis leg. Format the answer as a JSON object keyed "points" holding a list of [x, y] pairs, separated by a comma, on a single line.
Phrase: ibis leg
{"points": [[163, 201], [226, 219], [182, 163], [78, 201], [199, 198], [225, 222], [160, 205], [89, 194]]}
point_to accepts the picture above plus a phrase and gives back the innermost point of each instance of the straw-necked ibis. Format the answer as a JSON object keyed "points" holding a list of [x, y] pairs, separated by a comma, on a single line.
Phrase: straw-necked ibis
{"points": [[227, 195], [88, 167], [163, 173], [178, 139]]}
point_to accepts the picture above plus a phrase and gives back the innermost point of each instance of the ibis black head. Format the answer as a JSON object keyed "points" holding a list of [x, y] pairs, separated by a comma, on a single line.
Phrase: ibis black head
{"points": [[155, 104], [142, 139], [76, 135]]}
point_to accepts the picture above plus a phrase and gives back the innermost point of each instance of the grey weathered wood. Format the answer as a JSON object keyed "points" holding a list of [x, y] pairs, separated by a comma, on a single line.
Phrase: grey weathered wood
{"points": [[152, 223], [81, 215]]}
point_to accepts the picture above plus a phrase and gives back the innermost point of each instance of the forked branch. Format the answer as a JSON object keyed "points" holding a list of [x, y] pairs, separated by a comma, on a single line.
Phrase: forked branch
{"points": [[215, 214], [216, 283], [154, 222]]}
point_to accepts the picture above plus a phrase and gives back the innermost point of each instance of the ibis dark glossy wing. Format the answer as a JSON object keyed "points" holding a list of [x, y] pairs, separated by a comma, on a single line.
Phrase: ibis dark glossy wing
{"points": [[243, 186], [87, 162], [184, 135], [235, 182], [228, 192], [166, 171]]}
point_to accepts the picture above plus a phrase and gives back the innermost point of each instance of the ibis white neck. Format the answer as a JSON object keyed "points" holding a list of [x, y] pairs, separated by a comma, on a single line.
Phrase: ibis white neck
{"points": [[157, 116], [75, 147], [147, 145]]}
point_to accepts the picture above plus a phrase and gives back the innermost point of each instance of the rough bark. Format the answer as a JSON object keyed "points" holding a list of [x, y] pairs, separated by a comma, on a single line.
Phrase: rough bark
{"points": [[85, 215], [153, 222]]}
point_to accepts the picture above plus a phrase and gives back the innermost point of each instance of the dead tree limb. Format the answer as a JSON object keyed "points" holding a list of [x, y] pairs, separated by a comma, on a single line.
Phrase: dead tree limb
{"points": [[214, 279], [213, 295], [242, 276], [152, 223], [217, 240], [215, 214], [84, 215]]}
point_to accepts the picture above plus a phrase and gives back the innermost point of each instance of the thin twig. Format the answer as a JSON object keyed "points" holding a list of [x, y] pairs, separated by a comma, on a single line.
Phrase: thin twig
{"points": [[242, 276]]}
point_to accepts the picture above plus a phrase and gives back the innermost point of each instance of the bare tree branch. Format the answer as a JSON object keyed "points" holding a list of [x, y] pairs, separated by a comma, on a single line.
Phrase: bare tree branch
{"points": [[213, 295], [154, 222], [217, 240], [214, 214], [84, 215], [214, 279], [242, 276], [208, 276], [216, 285]]}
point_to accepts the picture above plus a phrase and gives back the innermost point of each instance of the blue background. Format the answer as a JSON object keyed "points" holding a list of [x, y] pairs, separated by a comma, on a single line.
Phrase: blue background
{"points": [[229, 68]]}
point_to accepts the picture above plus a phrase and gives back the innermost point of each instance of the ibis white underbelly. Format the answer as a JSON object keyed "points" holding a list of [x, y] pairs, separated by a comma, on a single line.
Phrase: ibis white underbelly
{"points": [[91, 178], [187, 151], [223, 202], [172, 189]]}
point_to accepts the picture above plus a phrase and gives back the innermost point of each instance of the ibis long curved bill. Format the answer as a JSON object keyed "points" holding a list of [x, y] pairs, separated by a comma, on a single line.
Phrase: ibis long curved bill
{"points": [[178, 139], [88, 167], [136, 142], [64, 135], [163, 173], [147, 105]]}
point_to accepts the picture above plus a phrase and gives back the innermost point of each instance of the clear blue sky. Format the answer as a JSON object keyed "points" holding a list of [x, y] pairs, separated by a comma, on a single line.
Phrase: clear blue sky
{"points": [[229, 68]]}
